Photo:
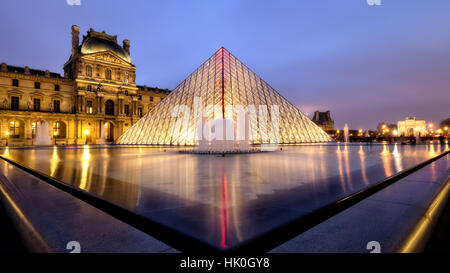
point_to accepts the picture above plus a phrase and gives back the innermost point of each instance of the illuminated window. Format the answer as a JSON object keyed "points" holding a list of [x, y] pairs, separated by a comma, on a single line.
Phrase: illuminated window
{"points": [[14, 129], [57, 129], [33, 128], [108, 74], [89, 107], [14, 103], [89, 71]]}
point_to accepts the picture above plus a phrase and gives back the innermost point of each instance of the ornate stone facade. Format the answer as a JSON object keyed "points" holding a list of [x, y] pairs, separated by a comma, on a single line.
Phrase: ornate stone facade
{"points": [[323, 120], [95, 101]]}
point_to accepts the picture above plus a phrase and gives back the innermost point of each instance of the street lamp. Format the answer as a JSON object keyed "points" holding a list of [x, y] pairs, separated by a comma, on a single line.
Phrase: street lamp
{"points": [[7, 137], [54, 136]]}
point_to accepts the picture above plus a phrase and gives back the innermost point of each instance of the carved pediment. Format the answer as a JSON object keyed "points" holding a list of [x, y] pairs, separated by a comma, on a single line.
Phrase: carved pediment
{"points": [[108, 56]]}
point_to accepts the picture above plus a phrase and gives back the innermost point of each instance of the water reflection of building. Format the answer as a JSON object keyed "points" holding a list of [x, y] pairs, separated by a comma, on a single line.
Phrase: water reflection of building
{"points": [[411, 126], [98, 90]]}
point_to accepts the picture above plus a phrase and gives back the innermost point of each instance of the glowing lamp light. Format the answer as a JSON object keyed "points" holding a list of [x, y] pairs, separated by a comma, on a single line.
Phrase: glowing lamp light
{"points": [[55, 133], [7, 133], [395, 132], [445, 128], [338, 131], [439, 131], [360, 131], [86, 132]]}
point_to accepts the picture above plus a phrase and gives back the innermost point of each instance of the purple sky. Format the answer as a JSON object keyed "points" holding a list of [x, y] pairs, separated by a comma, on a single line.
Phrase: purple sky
{"points": [[366, 64]]}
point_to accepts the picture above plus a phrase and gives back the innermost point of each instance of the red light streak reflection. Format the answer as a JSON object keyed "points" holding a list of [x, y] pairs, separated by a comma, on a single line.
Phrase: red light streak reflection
{"points": [[224, 213]]}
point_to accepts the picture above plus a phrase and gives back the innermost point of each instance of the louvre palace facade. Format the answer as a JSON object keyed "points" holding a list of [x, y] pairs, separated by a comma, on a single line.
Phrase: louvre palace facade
{"points": [[95, 101]]}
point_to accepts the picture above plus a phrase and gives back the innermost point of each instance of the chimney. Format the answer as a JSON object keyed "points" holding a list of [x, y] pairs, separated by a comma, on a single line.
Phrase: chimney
{"points": [[126, 46], [75, 39]]}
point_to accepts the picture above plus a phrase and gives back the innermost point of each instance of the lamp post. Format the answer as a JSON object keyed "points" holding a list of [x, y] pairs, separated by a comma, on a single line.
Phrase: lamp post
{"points": [[54, 136], [7, 137]]}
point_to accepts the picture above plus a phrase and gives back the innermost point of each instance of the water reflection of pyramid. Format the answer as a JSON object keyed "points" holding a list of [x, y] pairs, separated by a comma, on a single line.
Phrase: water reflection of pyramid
{"points": [[222, 80]]}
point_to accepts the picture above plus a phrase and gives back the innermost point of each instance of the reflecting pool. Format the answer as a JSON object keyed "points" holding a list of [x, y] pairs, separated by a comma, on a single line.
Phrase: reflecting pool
{"points": [[224, 201]]}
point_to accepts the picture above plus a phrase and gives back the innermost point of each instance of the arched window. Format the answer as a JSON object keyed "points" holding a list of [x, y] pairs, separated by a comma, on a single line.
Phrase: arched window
{"points": [[108, 74], [109, 108], [88, 70]]}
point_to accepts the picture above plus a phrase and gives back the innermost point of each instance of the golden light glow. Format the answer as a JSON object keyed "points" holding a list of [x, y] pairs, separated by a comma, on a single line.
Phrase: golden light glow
{"points": [[87, 132], [360, 131], [445, 128], [439, 131], [384, 126], [7, 133], [395, 132], [338, 131]]}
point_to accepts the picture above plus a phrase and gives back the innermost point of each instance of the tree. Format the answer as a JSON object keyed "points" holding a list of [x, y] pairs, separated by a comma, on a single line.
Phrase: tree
{"points": [[445, 122]]}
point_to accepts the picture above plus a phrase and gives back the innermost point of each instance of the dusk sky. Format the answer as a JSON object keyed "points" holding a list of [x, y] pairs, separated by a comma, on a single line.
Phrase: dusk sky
{"points": [[366, 64]]}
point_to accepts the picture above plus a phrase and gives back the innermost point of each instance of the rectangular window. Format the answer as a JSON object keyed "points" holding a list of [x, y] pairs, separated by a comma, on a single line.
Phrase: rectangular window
{"points": [[127, 109], [151, 98], [89, 107], [37, 85], [56, 87], [140, 111], [15, 82], [36, 105], [14, 129], [14, 103], [56, 106]]}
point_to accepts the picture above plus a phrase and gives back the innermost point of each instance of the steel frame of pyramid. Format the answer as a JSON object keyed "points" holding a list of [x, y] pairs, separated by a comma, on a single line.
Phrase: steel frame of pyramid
{"points": [[222, 81]]}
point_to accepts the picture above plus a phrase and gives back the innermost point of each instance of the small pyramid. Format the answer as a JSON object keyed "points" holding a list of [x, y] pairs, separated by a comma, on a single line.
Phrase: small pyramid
{"points": [[222, 81]]}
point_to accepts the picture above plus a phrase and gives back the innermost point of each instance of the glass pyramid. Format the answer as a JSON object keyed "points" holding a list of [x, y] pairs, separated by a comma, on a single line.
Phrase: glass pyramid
{"points": [[222, 81]]}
